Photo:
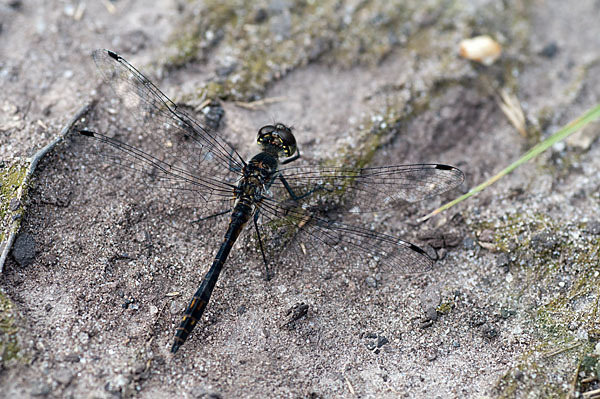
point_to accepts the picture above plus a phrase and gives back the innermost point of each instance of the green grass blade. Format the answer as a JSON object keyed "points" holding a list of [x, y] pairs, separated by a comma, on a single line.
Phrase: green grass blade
{"points": [[563, 133]]}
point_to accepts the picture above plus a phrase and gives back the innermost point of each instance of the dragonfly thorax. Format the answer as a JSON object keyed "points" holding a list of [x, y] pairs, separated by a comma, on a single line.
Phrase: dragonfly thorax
{"points": [[257, 175], [277, 140]]}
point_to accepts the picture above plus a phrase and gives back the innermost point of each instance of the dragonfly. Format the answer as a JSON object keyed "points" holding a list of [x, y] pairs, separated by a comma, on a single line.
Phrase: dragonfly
{"points": [[289, 206]]}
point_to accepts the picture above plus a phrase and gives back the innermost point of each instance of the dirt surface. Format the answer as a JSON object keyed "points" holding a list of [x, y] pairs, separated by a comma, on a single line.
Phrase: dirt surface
{"points": [[103, 267]]}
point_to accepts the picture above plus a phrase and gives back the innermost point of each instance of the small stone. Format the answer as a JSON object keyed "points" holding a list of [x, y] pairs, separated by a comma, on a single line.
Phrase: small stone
{"points": [[259, 16], [381, 340], [14, 204], [426, 324], [83, 337], [478, 319], [370, 345], [64, 376], [506, 313], [573, 326], [432, 314], [431, 356], [116, 385], [153, 310], [139, 368], [549, 50], [430, 300], [176, 307], [40, 388], [584, 138], [502, 261], [519, 375], [213, 114], [430, 297], [469, 243], [544, 241], [24, 249], [442, 253], [297, 311], [371, 282], [486, 236], [72, 358], [489, 332]]}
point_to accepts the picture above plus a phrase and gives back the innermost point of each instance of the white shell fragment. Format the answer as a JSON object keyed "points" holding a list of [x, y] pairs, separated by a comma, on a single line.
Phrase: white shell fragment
{"points": [[482, 49]]}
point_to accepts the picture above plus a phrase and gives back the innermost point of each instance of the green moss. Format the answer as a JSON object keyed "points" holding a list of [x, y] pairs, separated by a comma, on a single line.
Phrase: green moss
{"points": [[9, 346], [445, 307], [12, 189], [559, 258], [264, 43]]}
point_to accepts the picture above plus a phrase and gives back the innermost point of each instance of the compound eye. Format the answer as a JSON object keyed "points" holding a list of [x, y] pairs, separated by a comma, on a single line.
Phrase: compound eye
{"points": [[288, 140], [266, 130]]}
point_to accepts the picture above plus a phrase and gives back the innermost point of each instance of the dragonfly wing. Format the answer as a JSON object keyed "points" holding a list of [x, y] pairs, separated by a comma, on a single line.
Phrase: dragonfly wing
{"points": [[372, 189], [294, 228], [168, 148]]}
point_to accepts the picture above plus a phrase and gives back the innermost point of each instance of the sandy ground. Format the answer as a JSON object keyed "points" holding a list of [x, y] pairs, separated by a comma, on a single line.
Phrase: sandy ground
{"points": [[509, 310]]}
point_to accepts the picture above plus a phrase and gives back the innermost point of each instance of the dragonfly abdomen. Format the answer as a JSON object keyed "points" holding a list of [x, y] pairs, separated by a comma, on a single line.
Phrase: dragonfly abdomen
{"points": [[193, 312]]}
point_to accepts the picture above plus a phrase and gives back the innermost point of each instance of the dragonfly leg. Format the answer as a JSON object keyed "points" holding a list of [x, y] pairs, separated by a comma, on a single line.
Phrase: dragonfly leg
{"points": [[232, 166], [291, 192], [202, 219], [291, 159], [268, 275]]}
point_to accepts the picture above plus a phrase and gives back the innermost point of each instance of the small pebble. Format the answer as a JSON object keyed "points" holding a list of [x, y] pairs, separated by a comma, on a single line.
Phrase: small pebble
{"points": [[432, 356], [489, 332], [486, 236], [432, 314], [549, 50], [381, 340], [72, 358], [64, 376], [40, 388], [478, 319], [371, 282], [469, 243], [153, 310], [519, 375], [24, 249], [83, 337]]}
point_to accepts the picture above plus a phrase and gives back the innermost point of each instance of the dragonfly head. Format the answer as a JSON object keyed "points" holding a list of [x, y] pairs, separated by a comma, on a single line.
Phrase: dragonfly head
{"points": [[277, 138]]}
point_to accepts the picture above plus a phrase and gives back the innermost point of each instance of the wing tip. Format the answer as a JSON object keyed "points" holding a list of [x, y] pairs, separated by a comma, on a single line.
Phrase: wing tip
{"points": [[458, 172], [113, 55], [418, 250], [87, 133]]}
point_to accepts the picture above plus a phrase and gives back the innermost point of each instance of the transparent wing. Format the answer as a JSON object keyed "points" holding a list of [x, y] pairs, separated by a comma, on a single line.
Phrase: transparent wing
{"points": [[369, 189], [216, 195], [291, 227], [296, 212], [160, 118], [168, 149]]}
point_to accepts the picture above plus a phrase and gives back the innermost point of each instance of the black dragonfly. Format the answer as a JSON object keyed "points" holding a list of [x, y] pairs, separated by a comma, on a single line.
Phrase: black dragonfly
{"points": [[292, 206]]}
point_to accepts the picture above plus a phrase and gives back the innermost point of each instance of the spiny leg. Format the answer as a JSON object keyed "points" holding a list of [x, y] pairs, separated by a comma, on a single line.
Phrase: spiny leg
{"points": [[202, 219], [268, 276]]}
